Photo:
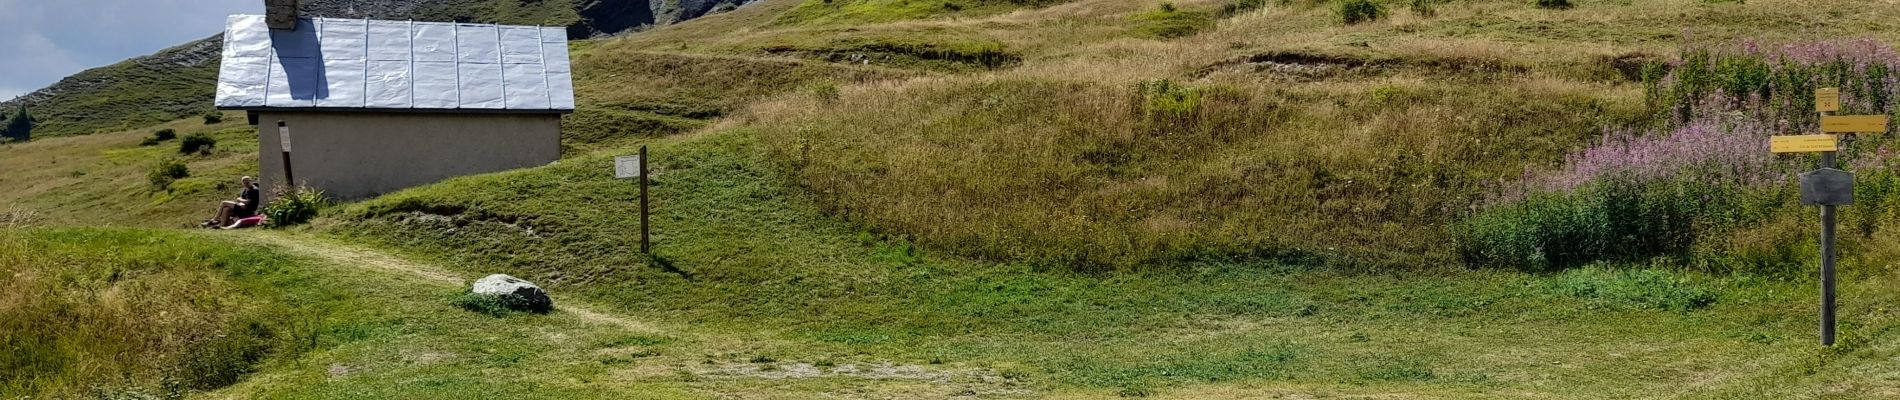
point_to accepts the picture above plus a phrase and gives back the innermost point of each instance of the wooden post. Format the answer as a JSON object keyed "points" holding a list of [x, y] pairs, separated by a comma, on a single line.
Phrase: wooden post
{"points": [[645, 244], [283, 141], [1827, 263]]}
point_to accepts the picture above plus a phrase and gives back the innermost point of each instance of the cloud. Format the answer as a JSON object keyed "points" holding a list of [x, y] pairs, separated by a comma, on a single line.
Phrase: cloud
{"points": [[48, 40]]}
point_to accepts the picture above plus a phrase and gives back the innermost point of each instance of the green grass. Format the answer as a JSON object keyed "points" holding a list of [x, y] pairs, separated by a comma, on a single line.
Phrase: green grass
{"points": [[740, 251], [104, 179], [1257, 209], [97, 312]]}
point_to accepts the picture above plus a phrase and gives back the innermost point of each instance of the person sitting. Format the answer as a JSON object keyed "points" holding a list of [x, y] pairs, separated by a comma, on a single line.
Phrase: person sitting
{"points": [[230, 212]]}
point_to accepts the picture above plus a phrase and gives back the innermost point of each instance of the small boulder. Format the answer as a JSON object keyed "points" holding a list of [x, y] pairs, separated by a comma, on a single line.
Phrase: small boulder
{"points": [[514, 293]]}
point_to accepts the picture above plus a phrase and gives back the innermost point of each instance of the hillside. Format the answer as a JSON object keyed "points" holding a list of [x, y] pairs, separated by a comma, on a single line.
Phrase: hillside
{"points": [[178, 82], [1077, 199]]}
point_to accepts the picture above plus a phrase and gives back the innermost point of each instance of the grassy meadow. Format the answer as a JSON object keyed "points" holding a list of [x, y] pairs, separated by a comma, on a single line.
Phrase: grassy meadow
{"points": [[1023, 199]]}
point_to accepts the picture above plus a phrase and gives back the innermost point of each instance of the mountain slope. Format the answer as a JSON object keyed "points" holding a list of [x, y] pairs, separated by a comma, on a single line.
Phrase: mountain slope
{"points": [[178, 82]]}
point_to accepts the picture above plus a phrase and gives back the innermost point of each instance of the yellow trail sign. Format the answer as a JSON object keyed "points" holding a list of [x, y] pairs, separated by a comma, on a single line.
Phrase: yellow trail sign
{"points": [[1827, 99], [1854, 124], [1803, 143]]}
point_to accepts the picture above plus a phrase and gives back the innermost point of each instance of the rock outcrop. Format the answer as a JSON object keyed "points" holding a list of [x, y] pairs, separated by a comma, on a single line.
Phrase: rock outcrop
{"points": [[514, 293]]}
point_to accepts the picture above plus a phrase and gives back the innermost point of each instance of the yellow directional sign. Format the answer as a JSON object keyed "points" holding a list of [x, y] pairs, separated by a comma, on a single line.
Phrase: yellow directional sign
{"points": [[1827, 99], [1854, 124], [1802, 143]]}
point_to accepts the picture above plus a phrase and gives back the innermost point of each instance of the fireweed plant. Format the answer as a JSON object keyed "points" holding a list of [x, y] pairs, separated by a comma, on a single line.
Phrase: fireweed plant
{"points": [[1697, 187]]}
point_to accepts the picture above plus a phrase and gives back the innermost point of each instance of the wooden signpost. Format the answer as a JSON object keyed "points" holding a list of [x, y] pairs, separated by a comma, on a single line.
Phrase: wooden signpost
{"points": [[635, 166], [1827, 186], [283, 141]]}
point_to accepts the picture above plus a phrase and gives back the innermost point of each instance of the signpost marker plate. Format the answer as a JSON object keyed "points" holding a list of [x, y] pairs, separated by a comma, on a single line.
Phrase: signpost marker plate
{"points": [[627, 167], [1803, 143], [1854, 124], [1827, 99]]}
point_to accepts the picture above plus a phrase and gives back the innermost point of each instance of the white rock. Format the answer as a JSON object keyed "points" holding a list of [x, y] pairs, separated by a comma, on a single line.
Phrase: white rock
{"points": [[517, 293]]}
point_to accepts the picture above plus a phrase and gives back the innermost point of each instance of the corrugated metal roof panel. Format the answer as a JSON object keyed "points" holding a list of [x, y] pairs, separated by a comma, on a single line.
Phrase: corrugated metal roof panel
{"points": [[388, 84], [247, 37], [527, 86], [521, 45], [481, 85], [344, 83], [477, 44], [292, 83], [389, 40], [241, 81], [433, 41], [343, 39], [436, 86], [357, 64]]}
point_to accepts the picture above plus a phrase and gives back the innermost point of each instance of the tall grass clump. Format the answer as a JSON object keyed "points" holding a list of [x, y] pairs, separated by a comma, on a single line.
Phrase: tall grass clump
{"points": [[1096, 176], [142, 314], [1555, 4], [1168, 22], [1698, 186], [1357, 11]]}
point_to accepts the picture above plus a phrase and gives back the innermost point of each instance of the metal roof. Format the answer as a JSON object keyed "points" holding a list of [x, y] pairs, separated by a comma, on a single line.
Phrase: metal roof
{"points": [[355, 64]]}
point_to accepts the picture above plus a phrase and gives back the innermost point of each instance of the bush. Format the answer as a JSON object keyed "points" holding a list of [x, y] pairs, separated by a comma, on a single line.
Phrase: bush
{"points": [[212, 117], [1554, 4], [826, 92], [295, 206], [497, 305], [1621, 220], [1170, 22], [167, 171], [1241, 6], [197, 143], [1357, 11], [165, 134], [1425, 8]]}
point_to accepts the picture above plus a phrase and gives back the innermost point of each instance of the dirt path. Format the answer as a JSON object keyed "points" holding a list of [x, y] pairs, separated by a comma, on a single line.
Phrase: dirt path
{"points": [[353, 256]]}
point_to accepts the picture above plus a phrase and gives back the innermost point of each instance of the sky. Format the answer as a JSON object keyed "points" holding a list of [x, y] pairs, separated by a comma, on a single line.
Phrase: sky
{"points": [[42, 41]]}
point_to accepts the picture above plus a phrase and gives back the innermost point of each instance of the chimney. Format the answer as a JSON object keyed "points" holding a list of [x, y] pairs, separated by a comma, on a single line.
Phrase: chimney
{"points": [[281, 14]]}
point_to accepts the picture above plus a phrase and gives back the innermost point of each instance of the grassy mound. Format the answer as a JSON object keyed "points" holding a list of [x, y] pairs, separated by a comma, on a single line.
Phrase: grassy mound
{"points": [[739, 249], [1117, 176], [135, 313]]}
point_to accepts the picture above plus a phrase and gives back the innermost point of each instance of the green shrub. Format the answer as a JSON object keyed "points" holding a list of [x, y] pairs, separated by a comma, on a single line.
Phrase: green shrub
{"points": [[1613, 220], [826, 92], [197, 143], [1554, 4], [295, 206], [1425, 8], [165, 134], [498, 306], [165, 172], [1357, 11], [1241, 6], [1171, 22], [213, 117]]}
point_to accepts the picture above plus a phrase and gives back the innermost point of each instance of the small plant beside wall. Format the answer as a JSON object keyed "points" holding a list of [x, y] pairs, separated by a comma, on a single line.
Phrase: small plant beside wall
{"points": [[1357, 11], [295, 206]]}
